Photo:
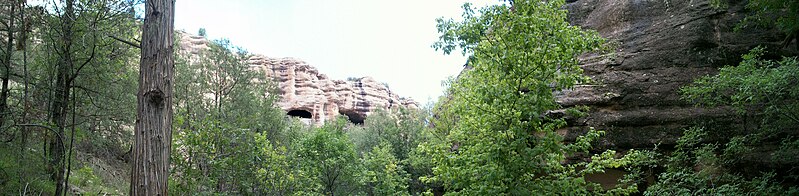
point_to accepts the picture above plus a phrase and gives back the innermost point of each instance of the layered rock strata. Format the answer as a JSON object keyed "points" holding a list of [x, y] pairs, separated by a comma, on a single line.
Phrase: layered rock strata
{"points": [[308, 94], [661, 46], [303, 88]]}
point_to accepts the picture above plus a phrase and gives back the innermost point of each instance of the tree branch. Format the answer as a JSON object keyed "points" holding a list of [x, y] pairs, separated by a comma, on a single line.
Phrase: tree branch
{"points": [[125, 41]]}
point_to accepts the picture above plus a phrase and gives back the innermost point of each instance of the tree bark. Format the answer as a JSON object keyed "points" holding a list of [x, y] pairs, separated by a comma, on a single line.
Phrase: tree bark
{"points": [[153, 132]]}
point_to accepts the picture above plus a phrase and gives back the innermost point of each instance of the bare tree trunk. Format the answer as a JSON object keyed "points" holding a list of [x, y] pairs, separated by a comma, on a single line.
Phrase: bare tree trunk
{"points": [[58, 112], [153, 132], [23, 131], [7, 65], [71, 142]]}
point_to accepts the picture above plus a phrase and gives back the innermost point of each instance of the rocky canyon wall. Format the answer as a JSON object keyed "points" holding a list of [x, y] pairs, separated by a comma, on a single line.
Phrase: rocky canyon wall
{"points": [[313, 96], [662, 45]]}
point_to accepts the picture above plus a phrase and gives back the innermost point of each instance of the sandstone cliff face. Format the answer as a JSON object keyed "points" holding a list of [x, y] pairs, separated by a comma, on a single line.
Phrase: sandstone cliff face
{"points": [[308, 94], [303, 88], [662, 46]]}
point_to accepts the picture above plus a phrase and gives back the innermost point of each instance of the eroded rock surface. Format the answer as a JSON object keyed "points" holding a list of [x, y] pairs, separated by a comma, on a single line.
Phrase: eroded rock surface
{"points": [[306, 93], [302, 87], [662, 46]]}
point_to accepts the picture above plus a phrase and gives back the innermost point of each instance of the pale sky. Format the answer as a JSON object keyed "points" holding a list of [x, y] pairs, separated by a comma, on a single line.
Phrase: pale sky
{"points": [[388, 40]]}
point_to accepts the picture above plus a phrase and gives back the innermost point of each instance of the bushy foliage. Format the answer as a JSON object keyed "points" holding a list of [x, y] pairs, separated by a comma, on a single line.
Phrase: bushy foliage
{"points": [[697, 168], [492, 136], [231, 139], [402, 129], [763, 90], [22, 175], [277, 169], [769, 13], [754, 81], [328, 157], [382, 172], [489, 135], [227, 129], [99, 82], [399, 131]]}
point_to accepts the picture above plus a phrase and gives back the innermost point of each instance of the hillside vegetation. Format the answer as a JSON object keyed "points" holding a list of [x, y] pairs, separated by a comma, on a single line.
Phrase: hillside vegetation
{"points": [[68, 112]]}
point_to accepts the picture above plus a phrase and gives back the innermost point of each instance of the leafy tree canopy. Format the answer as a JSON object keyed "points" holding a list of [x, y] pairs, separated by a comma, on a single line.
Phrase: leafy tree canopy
{"points": [[492, 137]]}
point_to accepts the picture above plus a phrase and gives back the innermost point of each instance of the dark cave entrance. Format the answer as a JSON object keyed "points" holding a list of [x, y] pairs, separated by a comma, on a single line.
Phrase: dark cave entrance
{"points": [[300, 113], [355, 118]]}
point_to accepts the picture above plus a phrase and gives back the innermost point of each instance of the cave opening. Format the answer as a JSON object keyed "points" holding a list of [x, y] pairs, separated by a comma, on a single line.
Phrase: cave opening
{"points": [[300, 113], [355, 118]]}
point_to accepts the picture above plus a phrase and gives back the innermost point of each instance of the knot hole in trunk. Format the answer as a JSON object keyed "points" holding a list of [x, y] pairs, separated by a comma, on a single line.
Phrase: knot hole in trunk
{"points": [[155, 97]]}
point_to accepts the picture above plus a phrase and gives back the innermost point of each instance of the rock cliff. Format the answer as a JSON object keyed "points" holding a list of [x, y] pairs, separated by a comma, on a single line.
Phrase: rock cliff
{"points": [[308, 94], [662, 45], [304, 90]]}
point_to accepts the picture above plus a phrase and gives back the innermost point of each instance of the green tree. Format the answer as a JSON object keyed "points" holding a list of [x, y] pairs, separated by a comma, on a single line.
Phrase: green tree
{"points": [[400, 128], [403, 129], [219, 82], [328, 157], [69, 41], [218, 157], [382, 173], [224, 112], [754, 82], [492, 136], [278, 171], [202, 32]]}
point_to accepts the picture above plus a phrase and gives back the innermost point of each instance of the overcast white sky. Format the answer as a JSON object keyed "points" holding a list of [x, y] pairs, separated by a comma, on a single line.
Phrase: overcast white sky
{"points": [[388, 40]]}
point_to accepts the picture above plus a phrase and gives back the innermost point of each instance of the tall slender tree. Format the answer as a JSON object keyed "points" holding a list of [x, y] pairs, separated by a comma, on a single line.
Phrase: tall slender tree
{"points": [[153, 132], [77, 45], [60, 103], [10, 12]]}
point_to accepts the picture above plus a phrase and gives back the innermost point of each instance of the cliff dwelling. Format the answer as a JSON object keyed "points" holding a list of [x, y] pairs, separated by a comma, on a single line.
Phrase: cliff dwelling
{"points": [[300, 114], [354, 117]]}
